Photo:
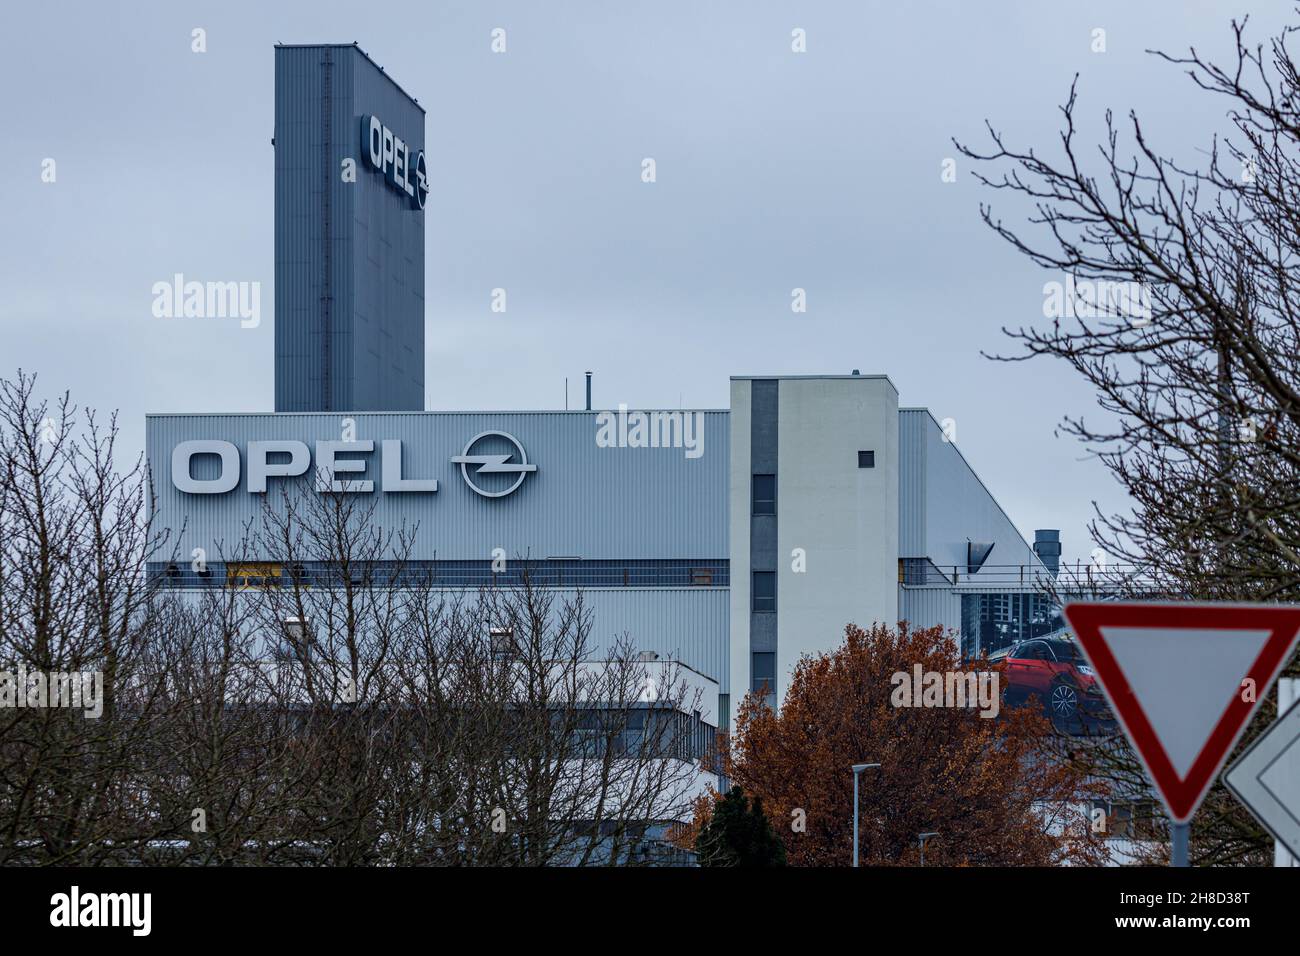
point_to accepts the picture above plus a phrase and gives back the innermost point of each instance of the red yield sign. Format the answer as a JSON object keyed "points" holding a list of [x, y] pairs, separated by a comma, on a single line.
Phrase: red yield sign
{"points": [[1184, 679]]}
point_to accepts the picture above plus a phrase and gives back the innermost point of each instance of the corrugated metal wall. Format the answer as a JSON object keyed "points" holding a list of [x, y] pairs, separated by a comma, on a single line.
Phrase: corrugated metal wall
{"points": [[926, 607], [583, 500], [387, 261], [349, 256], [943, 503], [687, 624], [912, 426]]}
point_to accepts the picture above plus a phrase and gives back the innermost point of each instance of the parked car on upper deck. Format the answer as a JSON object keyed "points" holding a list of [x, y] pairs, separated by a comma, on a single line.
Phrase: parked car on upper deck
{"points": [[1053, 670]]}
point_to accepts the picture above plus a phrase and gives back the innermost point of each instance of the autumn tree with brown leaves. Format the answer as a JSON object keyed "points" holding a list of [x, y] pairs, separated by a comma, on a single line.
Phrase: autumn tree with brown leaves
{"points": [[998, 791]]}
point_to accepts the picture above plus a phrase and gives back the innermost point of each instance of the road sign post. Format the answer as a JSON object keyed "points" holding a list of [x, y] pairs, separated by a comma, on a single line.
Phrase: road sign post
{"points": [[1180, 837], [1184, 679]]}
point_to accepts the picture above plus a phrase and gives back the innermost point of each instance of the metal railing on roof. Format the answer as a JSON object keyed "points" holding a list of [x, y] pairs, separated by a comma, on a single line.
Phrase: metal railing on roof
{"points": [[1071, 579]]}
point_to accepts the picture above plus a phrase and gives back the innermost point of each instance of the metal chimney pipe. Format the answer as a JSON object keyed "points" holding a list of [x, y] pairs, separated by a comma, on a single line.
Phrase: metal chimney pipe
{"points": [[1047, 545], [588, 391]]}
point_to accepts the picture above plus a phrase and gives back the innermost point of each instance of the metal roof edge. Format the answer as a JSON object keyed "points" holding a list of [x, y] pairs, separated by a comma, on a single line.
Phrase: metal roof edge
{"points": [[354, 45], [469, 411]]}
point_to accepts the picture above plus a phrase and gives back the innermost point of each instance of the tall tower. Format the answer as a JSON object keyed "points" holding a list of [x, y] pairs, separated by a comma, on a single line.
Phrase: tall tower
{"points": [[350, 187]]}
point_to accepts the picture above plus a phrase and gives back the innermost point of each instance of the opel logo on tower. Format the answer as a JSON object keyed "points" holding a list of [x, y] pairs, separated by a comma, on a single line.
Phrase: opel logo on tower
{"points": [[402, 165], [421, 171], [494, 464]]}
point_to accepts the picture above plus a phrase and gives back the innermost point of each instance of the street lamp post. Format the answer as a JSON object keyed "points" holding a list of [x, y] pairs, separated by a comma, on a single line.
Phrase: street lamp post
{"points": [[923, 837], [857, 769]]}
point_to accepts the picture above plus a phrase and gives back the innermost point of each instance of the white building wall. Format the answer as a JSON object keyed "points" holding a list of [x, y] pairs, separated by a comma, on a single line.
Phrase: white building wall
{"points": [[845, 518]]}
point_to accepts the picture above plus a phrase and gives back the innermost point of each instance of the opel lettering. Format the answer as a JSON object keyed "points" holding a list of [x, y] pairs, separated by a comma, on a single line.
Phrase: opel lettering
{"points": [[341, 466], [402, 167]]}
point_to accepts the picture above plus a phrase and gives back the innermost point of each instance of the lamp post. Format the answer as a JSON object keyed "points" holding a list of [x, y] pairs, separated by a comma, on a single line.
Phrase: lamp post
{"points": [[857, 769], [923, 837]]}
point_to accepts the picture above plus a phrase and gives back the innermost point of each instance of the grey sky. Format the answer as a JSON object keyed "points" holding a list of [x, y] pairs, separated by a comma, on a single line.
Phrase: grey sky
{"points": [[775, 171]]}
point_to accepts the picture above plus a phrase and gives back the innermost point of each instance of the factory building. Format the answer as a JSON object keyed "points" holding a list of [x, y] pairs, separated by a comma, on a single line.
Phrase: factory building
{"points": [[733, 540], [350, 186]]}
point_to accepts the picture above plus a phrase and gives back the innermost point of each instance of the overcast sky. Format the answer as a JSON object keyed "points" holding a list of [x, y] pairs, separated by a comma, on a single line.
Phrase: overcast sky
{"points": [[775, 170]]}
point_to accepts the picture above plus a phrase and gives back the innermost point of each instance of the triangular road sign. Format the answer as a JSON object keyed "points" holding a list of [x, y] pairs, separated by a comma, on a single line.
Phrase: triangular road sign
{"points": [[1183, 680]]}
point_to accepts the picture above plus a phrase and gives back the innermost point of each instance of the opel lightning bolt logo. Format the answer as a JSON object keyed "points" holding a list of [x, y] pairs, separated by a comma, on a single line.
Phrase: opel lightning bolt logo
{"points": [[421, 179], [494, 464]]}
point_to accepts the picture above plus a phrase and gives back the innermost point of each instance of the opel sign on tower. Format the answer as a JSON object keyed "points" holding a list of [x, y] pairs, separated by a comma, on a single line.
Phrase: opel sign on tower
{"points": [[403, 168]]}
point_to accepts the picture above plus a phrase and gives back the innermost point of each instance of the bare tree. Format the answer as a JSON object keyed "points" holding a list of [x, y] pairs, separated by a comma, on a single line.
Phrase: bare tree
{"points": [[458, 726], [325, 701], [75, 538], [1178, 305]]}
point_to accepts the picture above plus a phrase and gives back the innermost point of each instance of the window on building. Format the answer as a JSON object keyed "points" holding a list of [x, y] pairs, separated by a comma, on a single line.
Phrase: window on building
{"points": [[762, 675], [255, 575], [764, 494], [994, 621], [1131, 820], [295, 639], [504, 646], [702, 577], [764, 591], [866, 459]]}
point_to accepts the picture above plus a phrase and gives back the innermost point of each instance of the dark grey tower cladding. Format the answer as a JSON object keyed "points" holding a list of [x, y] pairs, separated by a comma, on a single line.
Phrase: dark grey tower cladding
{"points": [[350, 185]]}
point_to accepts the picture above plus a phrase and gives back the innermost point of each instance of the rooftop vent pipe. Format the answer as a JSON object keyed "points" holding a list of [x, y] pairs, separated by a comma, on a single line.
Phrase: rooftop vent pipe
{"points": [[1047, 545]]}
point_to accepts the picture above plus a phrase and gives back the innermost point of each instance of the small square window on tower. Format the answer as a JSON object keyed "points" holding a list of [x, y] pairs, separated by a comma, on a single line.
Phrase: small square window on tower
{"points": [[866, 459]]}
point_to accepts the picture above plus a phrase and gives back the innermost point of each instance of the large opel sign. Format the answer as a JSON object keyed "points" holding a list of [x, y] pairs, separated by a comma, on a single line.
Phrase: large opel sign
{"points": [[402, 167], [339, 469]]}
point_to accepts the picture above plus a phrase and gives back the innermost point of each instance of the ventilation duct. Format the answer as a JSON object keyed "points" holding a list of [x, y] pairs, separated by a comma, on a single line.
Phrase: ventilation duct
{"points": [[977, 552]]}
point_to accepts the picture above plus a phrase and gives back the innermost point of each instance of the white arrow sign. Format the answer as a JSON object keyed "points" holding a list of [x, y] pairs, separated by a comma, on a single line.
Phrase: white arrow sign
{"points": [[1267, 779]]}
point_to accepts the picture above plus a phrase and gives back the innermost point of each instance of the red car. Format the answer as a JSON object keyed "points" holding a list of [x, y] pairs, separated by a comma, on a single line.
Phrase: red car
{"points": [[1054, 671]]}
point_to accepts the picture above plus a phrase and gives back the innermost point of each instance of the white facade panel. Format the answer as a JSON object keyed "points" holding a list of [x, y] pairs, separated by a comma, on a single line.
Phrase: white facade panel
{"points": [[843, 517], [836, 559]]}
